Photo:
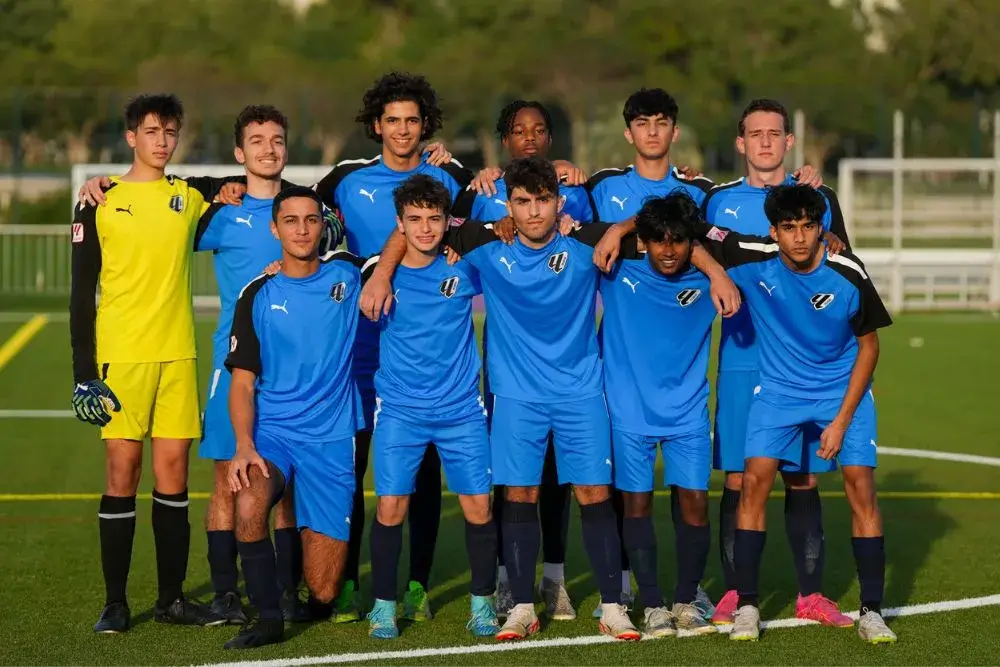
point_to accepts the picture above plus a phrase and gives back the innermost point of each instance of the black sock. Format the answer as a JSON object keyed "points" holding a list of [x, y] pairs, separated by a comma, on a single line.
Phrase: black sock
{"points": [[498, 518], [222, 561], [522, 538], [869, 555], [116, 518], [804, 527], [639, 537], [385, 544], [425, 518], [676, 516], [749, 548], [172, 535], [261, 574], [481, 544], [288, 551], [553, 510], [727, 536], [692, 545], [604, 546], [362, 445], [618, 503]]}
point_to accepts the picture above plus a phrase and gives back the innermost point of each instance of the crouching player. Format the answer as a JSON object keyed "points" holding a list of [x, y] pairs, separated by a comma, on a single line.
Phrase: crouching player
{"points": [[294, 409], [819, 316], [427, 390], [657, 307]]}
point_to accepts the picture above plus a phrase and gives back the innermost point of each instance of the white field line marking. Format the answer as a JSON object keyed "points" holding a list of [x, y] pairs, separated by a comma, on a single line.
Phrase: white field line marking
{"points": [[35, 414], [941, 456], [338, 658]]}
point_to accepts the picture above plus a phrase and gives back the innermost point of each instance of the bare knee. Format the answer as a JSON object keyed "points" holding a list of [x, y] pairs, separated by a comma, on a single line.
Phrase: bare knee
{"points": [[170, 464], [694, 506], [734, 481], [521, 494], [859, 486], [799, 481], [220, 514], [253, 506], [637, 505], [590, 495], [123, 468], [476, 508], [391, 510], [323, 561], [284, 511]]}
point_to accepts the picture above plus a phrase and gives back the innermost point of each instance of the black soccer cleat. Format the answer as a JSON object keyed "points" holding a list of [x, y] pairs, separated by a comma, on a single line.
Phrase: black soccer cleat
{"points": [[294, 610], [258, 633], [319, 611], [229, 607], [187, 612], [114, 619]]}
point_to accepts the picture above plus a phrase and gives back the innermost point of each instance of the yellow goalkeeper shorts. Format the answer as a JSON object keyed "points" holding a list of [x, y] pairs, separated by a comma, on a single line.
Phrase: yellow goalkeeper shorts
{"points": [[159, 399]]}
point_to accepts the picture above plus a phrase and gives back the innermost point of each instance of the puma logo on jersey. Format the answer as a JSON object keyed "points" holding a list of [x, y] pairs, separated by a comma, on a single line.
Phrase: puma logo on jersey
{"points": [[449, 286], [501, 202], [733, 212], [821, 301], [688, 296], [370, 195], [176, 203], [509, 264], [338, 291], [631, 284], [283, 306], [557, 262], [245, 221], [124, 210], [766, 288], [620, 202]]}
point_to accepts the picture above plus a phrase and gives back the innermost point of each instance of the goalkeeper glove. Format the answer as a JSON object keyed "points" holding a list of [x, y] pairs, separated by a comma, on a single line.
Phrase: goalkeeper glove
{"points": [[93, 402]]}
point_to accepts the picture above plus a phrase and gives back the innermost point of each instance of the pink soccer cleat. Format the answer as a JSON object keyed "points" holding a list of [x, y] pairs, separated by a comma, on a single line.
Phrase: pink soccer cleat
{"points": [[726, 608], [816, 607]]}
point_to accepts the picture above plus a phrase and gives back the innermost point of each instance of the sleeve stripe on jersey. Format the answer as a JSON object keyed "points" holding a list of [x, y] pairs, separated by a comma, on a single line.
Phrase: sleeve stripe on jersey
{"points": [[759, 247], [368, 160], [371, 261], [457, 163], [844, 261], [694, 180], [729, 184], [262, 276]]}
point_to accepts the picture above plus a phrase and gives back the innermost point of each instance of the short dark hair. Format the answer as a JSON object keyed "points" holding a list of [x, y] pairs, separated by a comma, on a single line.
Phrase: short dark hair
{"points": [[422, 191], [794, 202], [650, 102], [163, 106], [505, 124], [400, 87], [763, 104], [535, 174], [257, 113], [294, 192], [673, 216]]}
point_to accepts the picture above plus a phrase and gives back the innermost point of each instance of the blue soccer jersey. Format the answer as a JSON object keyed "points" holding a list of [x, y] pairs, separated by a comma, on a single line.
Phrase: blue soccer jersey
{"points": [[618, 194], [296, 336], [491, 209], [808, 323], [739, 206]]}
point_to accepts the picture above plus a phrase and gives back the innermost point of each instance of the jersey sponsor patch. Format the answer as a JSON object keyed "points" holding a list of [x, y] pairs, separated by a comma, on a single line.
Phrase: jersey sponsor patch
{"points": [[557, 262], [176, 203], [449, 286], [821, 301], [688, 296], [338, 291], [77, 232]]}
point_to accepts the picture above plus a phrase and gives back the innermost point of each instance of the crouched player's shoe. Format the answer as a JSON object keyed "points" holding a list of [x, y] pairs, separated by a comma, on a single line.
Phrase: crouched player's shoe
{"points": [[726, 609], [483, 617], [558, 606], [347, 607], [521, 622], [186, 612], [258, 633], [872, 628], [816, 607], [293, 609], [229, 607], [505, 601], [746, 624], [114, 618], [691, 619], [616, 623], [703, 604], [382, 620], [417, 603], [657, 623]]}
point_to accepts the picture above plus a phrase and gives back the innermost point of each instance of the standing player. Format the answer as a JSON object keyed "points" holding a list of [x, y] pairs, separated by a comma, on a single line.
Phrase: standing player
{"points": [[427, 388], [818, 316], [398, 112], [294, 408], [763, 139], [134, 355]]}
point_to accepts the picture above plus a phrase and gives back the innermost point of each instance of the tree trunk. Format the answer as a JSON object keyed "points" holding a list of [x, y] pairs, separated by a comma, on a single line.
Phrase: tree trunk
{"points": [[488, 147], [330, 145], [78, 143]]}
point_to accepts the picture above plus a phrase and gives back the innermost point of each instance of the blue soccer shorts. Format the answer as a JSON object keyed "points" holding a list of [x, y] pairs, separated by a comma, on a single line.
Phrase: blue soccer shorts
{"points": [[687, 460], [400, 441], [323, 476], [581, 433], [788, 429], [218, 441]]}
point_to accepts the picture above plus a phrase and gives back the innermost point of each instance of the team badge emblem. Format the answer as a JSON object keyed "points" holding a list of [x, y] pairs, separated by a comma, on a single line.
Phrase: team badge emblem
{"points": [[77, 232], [449, 286], [821, 301], [338, 291], [176, 203], [557, 262], [688, 296]]}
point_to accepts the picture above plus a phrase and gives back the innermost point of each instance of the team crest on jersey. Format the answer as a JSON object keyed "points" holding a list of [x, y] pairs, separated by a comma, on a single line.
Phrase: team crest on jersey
{"points": [[688, 296], [821, 301], [77, 232], [557, 262], [449, 286], [338, 291], [176, 203]]}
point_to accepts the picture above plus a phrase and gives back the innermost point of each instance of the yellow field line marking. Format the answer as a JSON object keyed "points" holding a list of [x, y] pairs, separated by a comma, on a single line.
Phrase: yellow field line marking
{"points": [[200, 495], [21, 337]]}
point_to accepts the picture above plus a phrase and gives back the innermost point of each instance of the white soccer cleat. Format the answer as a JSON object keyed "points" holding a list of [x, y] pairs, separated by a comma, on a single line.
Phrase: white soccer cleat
{"points": [[521, 622], [558, 606], [746, 624], [872, 629], [616, 623], [690, 619], [658, 622]]}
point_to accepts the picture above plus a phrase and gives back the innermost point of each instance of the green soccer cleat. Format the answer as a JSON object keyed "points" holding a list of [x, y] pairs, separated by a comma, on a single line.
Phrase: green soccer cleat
{"points": [[417, 603], [347, 607], [382, 620]]}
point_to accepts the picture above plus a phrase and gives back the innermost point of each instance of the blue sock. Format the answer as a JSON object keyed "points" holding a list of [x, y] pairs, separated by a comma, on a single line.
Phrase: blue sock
{"points": [[522, 539], [804, 527], [385, 544], [603, 545], [749, 548], [692, 545], [639, 537], [869, 555], [481, 544], [261, 574], [727, 536], [288, 550], [222, 555]]}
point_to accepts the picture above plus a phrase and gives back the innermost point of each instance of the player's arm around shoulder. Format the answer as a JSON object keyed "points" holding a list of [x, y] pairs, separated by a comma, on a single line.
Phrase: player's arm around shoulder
{"points": [[85, 271]]}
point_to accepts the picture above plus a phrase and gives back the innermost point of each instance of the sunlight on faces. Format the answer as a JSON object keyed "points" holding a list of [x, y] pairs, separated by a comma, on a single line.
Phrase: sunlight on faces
{"points": [[423, 227], [299, 227], [154, 141], [400, 127], [799, 241], [534, 216], [529, 135], [669, 256], [263, 152], [764, 141], [652, 135]]}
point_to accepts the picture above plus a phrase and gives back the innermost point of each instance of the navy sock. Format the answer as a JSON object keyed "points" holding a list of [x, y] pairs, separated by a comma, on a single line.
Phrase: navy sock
{"points": [[639, 537], [172, 537], [222, 561], [116, 518], [553, 510], [727, 536], [604, 546], [749, 548], [385, 545], [425, 517], [675, 506], [692, 545], [869, 555], [804, 527], [261, 574], [618, 503], [288, 550], [498, 519], [481, 544], [521, 541]]}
